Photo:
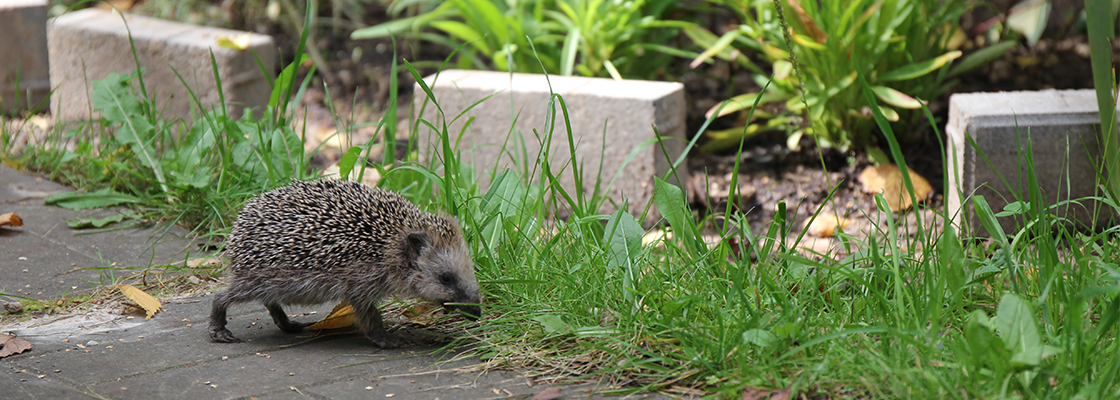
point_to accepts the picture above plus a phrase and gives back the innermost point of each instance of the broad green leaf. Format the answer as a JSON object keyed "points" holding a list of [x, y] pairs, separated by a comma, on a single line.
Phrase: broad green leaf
{"points": [[552, 323], [1029, 19], [782, 69], [915, 70], [568, 54], [86, 222], [743, 102], [807, 42], [505, 195], [706, 39], [716, 48], [670, 201], [1016, 324], [491, 17], [463, 32], [391, 28], [625, 249], [895, 97], [398, 26], [774, 53], [952, 259], [284, 82], [889, 113], [981, 57], [346, 164], [985, 347], [82, 201], [759, 337], [119, 107], [1014, 208]]}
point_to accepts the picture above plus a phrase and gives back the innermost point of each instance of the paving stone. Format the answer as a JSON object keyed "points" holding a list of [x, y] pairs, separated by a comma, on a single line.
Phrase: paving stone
{"points": [[1062, 127], [24, 51], [625, 111], [89, 44], [60, 260], [15, 384]]}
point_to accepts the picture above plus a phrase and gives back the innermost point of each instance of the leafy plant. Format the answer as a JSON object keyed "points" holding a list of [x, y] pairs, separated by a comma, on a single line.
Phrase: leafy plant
{"points": [[907, 48], [589, 37]]}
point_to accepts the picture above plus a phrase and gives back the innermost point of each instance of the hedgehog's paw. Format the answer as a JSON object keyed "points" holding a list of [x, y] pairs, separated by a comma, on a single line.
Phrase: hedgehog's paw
{"points": [[223, 335], [385, 340]]}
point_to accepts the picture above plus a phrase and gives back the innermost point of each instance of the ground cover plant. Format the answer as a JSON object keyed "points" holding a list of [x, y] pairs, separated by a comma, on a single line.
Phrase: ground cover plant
{"points": [[925, 314]]}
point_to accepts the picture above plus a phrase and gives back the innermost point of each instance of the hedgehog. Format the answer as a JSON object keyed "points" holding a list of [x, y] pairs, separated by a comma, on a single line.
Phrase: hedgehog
{"points": [[328, 240]]}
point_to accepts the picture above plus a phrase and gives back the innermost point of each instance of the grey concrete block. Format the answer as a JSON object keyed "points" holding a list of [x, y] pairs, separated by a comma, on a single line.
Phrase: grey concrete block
{"points": [[23, 55], [626, 112], [88, 45], [1063, 131]]}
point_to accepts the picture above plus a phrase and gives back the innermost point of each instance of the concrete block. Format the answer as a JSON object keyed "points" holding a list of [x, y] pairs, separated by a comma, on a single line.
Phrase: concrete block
{"points": [[624, 111], [1062, 127], [23, 51], [89, 44]]}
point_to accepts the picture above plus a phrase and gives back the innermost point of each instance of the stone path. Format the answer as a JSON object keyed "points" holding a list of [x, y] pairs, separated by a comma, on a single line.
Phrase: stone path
{"points": [[106, 355]]}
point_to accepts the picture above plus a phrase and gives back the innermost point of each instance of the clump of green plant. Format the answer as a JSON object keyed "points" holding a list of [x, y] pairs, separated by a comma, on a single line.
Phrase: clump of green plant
{"points": [[906, 47], [566, 37]]}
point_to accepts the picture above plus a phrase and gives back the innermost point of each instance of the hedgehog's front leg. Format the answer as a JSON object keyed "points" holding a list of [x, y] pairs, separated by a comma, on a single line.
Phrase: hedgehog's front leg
{"points": [[368, 319]]}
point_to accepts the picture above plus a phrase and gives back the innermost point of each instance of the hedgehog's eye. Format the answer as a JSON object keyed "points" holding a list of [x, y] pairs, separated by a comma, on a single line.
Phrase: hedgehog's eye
{"points": [[447, 278]]}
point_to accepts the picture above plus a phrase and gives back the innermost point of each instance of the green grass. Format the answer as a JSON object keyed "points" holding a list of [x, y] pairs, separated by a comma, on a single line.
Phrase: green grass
{"points": [[928, 314]]}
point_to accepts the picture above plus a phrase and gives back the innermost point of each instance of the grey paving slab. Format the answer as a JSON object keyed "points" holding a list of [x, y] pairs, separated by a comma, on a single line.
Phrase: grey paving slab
{"points": [[988, 136], [19, 384], [89, 44], [23, 52], [614, 125], [44, 258]]}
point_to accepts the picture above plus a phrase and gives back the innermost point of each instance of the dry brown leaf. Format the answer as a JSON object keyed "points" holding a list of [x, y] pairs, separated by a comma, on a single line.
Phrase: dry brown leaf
{"points": [[150, 304], [551, 393], [808, 23], [417, 310], [825, 225], [10, 345], [887, 179], [10, 219], [762, 394], [340, 317]]}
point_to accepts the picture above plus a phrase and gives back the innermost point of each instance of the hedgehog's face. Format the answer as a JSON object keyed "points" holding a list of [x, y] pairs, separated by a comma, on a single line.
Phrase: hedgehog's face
{"points": [[444, 273]]}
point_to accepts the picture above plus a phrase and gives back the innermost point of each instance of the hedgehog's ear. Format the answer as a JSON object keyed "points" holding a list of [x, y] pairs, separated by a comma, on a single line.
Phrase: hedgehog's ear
{"points": [[415, 243]]}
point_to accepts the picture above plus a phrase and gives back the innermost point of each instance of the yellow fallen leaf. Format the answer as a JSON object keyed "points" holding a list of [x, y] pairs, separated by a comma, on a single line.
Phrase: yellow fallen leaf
{"points": [[145, 300], [887, 179], [340, 317], [825, 225], [39, 122], [236, 42], [10, 219]]}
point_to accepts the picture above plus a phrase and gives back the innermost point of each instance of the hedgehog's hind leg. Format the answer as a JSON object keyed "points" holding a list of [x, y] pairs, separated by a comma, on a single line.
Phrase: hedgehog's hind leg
{"points": [[280, 318], [218, 330]]}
